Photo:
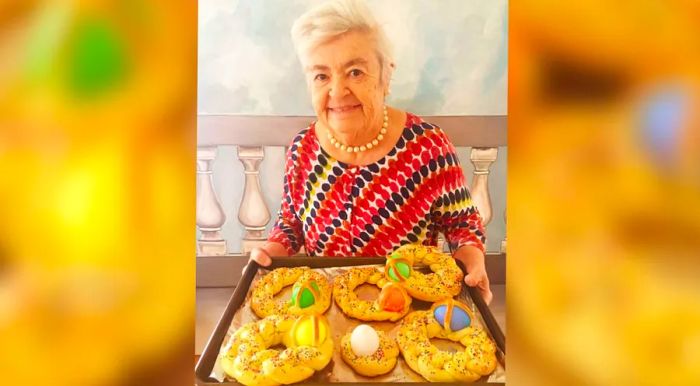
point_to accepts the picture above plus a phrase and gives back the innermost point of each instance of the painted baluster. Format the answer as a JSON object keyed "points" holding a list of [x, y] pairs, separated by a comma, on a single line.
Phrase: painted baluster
{"points": [[482, 158], [253, 213], [505, 237], [210, 217]]}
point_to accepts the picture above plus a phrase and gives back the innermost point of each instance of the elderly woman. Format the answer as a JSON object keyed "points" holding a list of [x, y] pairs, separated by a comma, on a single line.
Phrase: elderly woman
{"points": [[366, 178]]}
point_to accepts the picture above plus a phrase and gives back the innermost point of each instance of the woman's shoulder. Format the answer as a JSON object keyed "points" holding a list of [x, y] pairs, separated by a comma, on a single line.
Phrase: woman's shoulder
{"points": [[303, 142], [302, 136], [301, 149], [422, 128]]}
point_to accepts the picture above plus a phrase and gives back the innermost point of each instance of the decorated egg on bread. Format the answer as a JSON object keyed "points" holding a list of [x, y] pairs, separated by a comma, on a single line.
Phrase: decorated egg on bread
{"points": [[392, 298], [364, 340], [310, 330], [397, 268], [304, 294], [452, 315]]}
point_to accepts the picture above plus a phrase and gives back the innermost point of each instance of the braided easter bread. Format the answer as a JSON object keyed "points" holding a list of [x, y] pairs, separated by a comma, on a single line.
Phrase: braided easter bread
{"points": [[435, 365], [392, 304], [379, 362], [311, 293], [445, 281], [309, 348]]}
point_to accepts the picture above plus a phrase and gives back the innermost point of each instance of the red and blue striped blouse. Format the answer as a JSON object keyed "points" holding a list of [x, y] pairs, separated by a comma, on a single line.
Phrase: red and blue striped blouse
{"points": [[409, 196]]}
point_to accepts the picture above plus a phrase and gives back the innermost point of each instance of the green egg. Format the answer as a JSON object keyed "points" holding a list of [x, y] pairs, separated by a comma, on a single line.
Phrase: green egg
{"points": [[392, 274], [307, 297], [295, 290], [404, 271]]}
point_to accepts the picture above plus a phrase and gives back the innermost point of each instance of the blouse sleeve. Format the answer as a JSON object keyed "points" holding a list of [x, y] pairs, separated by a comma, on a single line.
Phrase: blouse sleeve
{"points": [[453, 212], [288, 229]]}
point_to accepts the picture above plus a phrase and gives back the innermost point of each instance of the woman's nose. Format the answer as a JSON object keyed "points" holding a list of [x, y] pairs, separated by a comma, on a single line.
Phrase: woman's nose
{"points": [[338, 88]]}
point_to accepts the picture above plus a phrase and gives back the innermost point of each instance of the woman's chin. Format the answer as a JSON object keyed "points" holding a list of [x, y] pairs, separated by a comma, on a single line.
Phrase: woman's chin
{"points": [[344, 126]]}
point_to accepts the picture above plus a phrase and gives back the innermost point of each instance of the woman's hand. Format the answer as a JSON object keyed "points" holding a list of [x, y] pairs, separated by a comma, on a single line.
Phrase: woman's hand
{"points": [[477, 277], [260, 256], [473, 260], [263, 255]]}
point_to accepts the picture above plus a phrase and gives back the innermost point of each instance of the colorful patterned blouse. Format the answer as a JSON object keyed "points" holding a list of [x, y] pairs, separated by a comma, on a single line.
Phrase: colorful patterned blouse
{"points": [[410, 195]]}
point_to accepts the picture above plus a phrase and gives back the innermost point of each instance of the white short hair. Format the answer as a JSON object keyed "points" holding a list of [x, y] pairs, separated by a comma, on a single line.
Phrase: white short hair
{"points": [[334, 18]]}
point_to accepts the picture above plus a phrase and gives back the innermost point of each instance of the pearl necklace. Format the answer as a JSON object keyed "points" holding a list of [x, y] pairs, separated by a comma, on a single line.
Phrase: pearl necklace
{"points": [[368, 145]]}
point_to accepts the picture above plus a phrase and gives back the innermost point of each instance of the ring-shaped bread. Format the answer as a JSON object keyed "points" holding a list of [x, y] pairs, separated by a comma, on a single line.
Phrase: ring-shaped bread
{"points": [[417, 328], [249, 359], [392, 303], [445, 281], [380, 362], [311, 293]]}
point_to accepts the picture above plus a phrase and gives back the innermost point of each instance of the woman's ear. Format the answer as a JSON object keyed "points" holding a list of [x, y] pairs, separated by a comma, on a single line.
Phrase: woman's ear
{"points": [[387, 81]]}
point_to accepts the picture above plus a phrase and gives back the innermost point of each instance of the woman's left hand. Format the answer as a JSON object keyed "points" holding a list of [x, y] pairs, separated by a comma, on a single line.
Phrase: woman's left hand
{"points": [[473, 260], [477, 277]]}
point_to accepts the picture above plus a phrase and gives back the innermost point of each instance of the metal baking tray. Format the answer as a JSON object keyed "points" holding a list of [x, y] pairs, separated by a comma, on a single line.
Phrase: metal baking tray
{"points": [[205, 365]]}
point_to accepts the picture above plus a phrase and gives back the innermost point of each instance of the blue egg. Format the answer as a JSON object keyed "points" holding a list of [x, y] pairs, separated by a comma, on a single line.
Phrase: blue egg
{"points": [[460, 319], [439, 314]]}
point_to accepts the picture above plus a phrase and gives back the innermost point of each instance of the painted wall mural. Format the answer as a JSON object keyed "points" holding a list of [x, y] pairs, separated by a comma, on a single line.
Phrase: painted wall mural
{"points": [[451, 56]]}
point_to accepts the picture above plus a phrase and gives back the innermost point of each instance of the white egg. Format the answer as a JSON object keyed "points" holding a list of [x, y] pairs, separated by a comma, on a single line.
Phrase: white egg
{"points": [[364, 340]]}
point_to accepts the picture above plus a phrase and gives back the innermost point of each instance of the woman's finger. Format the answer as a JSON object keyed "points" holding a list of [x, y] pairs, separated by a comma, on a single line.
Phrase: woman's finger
{"points": [[261, 258], [487, 295], [475, 277], [472, 279], [485, 289]]}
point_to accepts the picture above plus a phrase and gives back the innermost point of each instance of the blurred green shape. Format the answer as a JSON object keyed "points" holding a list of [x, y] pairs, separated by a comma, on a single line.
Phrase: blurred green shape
{"points": [[97, 61]]}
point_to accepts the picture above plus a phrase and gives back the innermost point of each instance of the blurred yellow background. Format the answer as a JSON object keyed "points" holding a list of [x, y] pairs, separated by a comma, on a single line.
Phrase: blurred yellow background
{"points": [[604, 193], [97, 110], [97, 146]]}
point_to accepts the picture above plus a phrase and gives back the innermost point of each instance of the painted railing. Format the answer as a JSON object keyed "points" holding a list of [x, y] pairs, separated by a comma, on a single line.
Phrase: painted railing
{"points": [[484, 134]]}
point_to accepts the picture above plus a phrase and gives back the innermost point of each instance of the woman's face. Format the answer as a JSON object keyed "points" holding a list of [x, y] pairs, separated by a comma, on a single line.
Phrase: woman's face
{"points": [[344, 78]]}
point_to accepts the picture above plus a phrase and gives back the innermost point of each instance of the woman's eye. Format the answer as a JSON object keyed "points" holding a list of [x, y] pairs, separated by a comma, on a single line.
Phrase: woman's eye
{"points": [[354, 73], [320, 77]]}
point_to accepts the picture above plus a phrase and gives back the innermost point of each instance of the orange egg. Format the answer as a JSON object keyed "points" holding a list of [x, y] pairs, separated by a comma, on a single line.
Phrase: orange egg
{"points": [[392, 298]]}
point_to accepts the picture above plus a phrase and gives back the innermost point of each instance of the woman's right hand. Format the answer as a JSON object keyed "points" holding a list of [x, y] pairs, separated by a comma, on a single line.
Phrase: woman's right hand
{"points": [[263, 255], [260, 256]]}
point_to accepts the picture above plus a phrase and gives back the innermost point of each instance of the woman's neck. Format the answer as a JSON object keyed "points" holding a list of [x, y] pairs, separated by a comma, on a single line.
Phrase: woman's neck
{"points": [[360, 136], [397, 120]]}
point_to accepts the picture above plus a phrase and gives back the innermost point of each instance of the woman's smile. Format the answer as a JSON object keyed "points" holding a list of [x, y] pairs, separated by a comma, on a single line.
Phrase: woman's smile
{"points": [[343, 111]]}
